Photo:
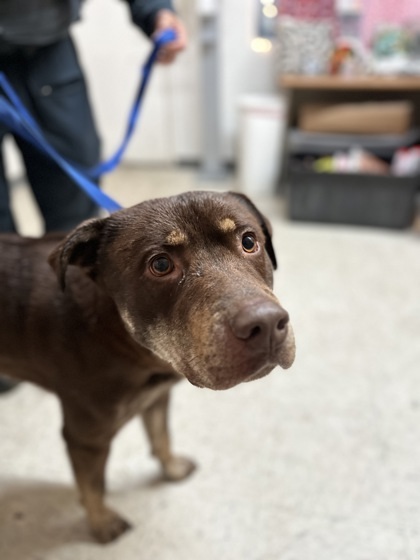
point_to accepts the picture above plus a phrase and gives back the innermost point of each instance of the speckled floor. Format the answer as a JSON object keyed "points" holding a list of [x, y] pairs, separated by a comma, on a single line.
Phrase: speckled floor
{"points": [[318, 463]]}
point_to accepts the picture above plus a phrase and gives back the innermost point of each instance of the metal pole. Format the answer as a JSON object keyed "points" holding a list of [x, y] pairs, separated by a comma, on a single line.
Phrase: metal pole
{"points": [[212, 166]]}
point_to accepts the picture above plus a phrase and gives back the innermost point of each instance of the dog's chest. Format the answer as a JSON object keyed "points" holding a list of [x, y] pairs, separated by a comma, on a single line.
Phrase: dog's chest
{"points": [[157, 386]]}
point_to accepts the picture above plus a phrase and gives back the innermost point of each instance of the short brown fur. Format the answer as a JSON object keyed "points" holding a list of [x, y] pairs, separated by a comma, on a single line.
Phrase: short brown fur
{"points": [[110, 337]]}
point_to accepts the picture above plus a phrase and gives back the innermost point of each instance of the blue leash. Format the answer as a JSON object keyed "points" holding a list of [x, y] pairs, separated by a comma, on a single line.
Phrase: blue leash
{"points": [[19, 121]]}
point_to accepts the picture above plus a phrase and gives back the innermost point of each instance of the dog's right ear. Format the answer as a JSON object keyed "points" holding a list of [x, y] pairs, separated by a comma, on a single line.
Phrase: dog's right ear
{"points": [[79, 248]]}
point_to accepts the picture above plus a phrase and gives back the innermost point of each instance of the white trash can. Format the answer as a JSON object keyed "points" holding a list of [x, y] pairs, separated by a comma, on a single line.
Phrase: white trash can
{"points": [[260, 143]]}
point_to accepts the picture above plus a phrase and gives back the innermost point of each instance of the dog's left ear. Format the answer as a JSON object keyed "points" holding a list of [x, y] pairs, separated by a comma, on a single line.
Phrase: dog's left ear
{"points": [[79, 248], [264, 223]]}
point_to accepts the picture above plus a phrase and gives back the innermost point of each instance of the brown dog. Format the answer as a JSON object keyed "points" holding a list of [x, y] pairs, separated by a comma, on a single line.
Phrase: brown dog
{"points": [[168, 288]]}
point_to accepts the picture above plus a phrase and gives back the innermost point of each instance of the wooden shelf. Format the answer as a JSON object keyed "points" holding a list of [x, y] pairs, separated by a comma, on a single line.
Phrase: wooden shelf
{"points": [[388, 83]]}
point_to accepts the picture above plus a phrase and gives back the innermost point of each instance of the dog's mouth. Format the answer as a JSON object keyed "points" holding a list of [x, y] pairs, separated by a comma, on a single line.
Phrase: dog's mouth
{"points": [[222, 379], [240, 366], [211, 354]]}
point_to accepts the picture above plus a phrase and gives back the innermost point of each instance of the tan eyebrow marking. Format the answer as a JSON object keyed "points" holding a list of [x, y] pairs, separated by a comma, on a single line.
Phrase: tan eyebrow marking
{"points": [[227, 224], [176, 237]]}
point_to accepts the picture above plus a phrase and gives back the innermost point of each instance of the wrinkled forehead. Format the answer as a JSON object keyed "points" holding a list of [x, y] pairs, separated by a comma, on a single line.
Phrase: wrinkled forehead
{"points": [[183, 219]]}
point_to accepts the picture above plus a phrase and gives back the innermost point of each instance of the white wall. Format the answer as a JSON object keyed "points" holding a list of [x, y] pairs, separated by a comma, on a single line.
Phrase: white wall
{"points": [[242, 70]]}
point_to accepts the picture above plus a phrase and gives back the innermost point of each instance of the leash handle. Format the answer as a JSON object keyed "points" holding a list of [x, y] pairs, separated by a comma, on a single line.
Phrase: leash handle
{"points": [[17, 118]]}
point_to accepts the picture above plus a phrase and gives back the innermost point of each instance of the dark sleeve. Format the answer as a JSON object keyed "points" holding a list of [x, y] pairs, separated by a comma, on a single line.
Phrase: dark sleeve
{"points": [[143, 12]]}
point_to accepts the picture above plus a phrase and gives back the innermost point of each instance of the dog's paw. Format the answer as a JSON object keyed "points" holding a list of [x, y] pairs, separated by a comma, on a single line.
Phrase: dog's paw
{"points": [[178, 468], [109, 526]]}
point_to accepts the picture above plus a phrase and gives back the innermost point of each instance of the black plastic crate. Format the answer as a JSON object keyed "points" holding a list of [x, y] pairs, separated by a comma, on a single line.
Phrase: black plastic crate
{"points": [[371, 200]]}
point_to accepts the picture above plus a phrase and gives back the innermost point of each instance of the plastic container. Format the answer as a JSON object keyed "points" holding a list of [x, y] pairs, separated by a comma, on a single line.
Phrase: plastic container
{"points": [[261, 134], [370, 200]]}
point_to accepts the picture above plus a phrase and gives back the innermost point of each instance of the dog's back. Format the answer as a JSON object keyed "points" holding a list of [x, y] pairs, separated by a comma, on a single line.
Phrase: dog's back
{"points": [[46, 332], [26, 281]]}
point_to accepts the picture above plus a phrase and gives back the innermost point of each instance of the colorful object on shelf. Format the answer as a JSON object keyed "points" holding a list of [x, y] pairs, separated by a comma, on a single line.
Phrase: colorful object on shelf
{"points": [[325, 164], [350, 58], [355, 160], [341, 59], [406, 162], [377, 13], [390, 40], [304, 47]]}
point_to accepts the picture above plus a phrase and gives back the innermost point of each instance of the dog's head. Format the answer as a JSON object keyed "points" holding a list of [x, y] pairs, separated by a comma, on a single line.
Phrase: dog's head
{"points": [[191, 276]]}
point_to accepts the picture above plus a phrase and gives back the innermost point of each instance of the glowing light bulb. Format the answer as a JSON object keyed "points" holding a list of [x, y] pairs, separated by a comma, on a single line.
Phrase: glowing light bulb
{"points": [[270, 11], [261, 45]]}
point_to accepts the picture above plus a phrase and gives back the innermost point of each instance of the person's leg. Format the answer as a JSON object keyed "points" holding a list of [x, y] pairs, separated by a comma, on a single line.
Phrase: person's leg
{"points": [[61, 106], [10, 65], [7, 223], [62, 204]]}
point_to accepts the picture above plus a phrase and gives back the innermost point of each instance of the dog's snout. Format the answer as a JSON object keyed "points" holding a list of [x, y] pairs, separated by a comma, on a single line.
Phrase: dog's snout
{"points": [[261, 323]]}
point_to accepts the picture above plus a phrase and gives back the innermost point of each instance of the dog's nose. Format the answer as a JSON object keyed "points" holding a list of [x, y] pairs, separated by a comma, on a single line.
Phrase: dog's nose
{"points": [[260, 323]]}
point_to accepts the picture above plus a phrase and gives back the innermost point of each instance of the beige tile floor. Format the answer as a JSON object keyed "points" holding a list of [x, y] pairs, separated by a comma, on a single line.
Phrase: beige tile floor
{"points": [[318, 463]]}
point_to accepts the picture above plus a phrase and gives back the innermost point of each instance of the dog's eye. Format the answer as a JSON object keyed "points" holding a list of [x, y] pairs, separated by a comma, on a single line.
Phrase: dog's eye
{"points": [[249, 243], [161, 265]]}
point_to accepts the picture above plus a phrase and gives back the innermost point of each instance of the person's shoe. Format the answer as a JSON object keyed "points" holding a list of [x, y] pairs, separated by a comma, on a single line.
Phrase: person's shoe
{"points": [[7, 384]]}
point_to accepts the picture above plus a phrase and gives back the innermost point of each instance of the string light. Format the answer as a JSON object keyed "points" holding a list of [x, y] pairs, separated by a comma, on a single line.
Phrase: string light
{"points": [[261, 45], [270, 11]]}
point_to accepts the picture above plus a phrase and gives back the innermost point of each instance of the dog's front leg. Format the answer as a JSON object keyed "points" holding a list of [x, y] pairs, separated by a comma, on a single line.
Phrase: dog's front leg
{"points": [[155, 419], [88, 462]]}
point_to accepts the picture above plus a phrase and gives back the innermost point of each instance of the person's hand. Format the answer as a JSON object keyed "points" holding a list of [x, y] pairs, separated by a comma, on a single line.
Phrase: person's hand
{"points": [[166, 19]]}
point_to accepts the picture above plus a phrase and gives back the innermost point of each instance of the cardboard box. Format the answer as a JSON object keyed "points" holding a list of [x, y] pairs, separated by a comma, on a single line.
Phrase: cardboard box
{"points": [[393, 117]]}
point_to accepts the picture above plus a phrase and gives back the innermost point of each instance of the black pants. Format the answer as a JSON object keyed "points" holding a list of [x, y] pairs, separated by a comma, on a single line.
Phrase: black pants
{"points": [[50, 83]]}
